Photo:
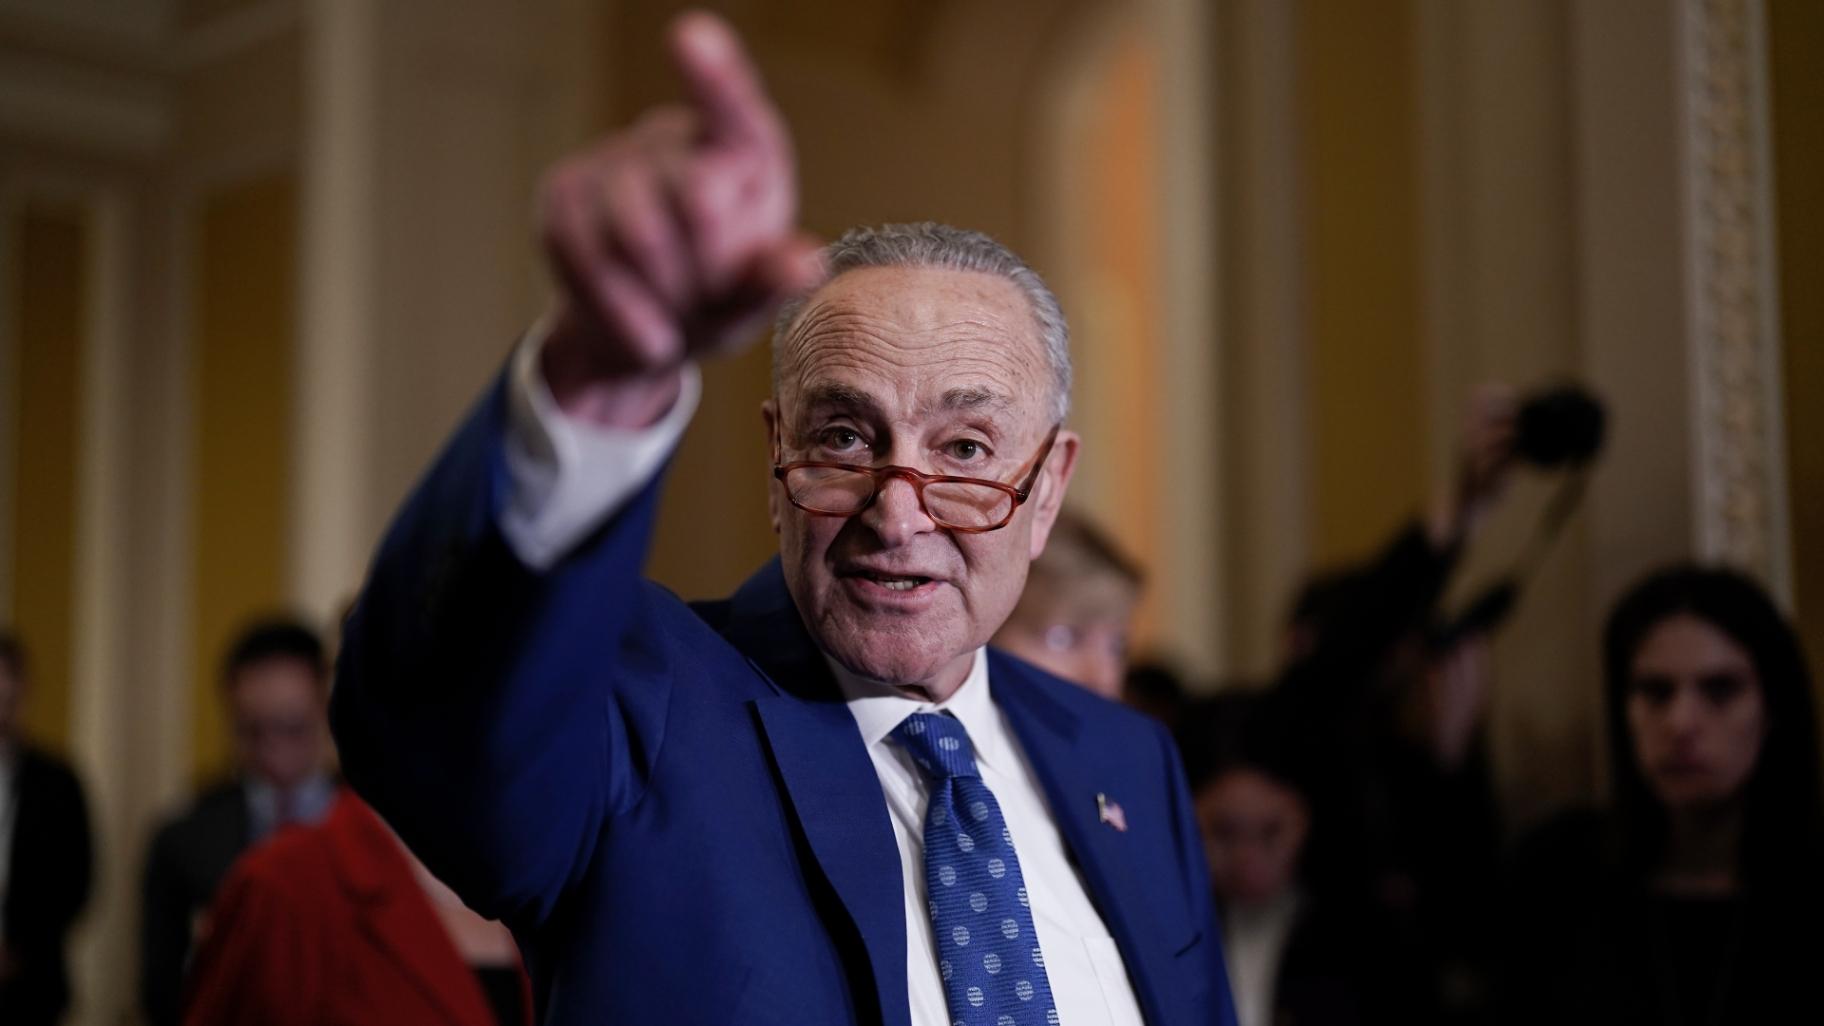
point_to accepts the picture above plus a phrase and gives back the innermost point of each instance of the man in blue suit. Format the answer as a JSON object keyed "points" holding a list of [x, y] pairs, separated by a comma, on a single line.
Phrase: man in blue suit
{"points": [[823, 800]]}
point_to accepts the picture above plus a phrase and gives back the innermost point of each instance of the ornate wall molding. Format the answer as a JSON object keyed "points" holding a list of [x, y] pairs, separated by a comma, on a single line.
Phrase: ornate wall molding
{"points": [[1739, 457]]}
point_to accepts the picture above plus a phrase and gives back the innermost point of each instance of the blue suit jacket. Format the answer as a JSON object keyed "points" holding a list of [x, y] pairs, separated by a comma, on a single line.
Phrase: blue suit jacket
{"points": [[672, 807]]}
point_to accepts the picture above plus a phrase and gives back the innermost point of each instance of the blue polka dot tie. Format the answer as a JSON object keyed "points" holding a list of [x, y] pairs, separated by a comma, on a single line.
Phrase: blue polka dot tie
{"points": [[988, 954]]}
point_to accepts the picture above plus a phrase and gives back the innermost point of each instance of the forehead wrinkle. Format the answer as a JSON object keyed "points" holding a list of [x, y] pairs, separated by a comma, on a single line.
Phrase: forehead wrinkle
{"points": [[907, 353], [995, 367], [898, 325], [842, 328]]}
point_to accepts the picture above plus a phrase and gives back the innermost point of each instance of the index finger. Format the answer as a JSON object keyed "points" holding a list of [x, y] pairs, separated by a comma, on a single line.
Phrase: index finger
{"points": [[723, 83]]}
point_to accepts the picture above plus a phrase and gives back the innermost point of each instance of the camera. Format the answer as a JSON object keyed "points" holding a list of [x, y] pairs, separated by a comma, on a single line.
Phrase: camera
{"points": [[1561, 426]]}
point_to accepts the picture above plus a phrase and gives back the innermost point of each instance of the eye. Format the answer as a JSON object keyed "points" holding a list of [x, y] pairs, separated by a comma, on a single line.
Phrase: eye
{"points": [[967, 450], [1722, 688], [1655, 690], [839, 439]]}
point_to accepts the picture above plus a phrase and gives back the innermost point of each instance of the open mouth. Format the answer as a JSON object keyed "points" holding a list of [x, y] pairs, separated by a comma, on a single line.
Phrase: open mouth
{"points": [[895, 582]]}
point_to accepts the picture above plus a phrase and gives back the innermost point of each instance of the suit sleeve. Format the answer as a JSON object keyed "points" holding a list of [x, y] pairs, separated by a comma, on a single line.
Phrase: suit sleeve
{"points": [[498, 715], [1197, 882], [70, 870], [50, 873]]}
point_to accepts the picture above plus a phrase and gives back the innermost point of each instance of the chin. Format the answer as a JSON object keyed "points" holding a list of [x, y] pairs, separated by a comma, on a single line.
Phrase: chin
{"points": [[898, 654], [1693, 795], [1246, 894], [888, 658]]}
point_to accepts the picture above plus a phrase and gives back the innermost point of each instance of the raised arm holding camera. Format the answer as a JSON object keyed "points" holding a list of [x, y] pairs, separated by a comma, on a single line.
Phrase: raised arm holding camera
{"points": [[1390, 696]]}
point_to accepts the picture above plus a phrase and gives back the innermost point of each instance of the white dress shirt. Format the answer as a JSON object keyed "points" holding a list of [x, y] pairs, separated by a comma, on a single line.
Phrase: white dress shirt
{"points": [[310, 802], [567, 477], [1088, 979], [1254, 944]]}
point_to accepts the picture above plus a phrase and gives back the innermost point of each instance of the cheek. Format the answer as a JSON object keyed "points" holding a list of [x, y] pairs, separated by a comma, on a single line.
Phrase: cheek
{"points": [[805, 539], [1745, 728], [1641, 728], [1298, 827], [997, 566]]}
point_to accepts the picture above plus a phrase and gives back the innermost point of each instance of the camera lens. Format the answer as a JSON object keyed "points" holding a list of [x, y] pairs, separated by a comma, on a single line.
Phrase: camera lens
{"points": [[1559, 427]]}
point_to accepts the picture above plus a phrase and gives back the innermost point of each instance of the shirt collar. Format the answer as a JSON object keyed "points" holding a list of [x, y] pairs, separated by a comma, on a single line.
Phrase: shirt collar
{"points": [[310, 800], [878, 708]]}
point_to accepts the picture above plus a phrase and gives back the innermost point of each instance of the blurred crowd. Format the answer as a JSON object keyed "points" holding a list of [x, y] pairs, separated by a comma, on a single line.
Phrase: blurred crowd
{"points": [[1362, 869], [268, 898], [1347, 807]]}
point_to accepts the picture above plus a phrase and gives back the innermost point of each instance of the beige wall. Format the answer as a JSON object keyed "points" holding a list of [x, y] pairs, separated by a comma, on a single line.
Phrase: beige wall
{"points": [[1797, 37], [241, 354], [1357, 114], [1102, 248], [47, 245]]}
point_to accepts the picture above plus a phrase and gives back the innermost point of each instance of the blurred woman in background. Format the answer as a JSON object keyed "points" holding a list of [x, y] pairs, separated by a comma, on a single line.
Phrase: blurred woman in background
{"points": [[1694, 899], [1296, 950]]}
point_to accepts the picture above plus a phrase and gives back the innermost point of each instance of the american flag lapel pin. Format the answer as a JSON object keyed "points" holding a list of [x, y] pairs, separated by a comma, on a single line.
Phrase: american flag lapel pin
{"points": [[1109, 811]]}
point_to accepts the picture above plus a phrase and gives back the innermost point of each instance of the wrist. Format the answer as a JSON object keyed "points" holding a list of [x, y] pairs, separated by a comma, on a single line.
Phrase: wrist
{"points": [[586, 389]]}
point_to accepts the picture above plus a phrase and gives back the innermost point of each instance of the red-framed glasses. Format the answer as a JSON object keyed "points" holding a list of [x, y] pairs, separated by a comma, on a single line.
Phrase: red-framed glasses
{"points": [[967, 504]]}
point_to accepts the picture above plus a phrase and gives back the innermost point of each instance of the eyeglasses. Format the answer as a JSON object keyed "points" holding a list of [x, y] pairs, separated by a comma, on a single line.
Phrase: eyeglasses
{"points": [[967, 504]]}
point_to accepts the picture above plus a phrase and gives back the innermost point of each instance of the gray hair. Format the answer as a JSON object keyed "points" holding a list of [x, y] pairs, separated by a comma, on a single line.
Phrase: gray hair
{"points": [[930, 244]]}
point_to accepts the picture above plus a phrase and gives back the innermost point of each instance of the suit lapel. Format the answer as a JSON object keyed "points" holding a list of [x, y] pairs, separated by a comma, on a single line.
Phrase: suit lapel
{"points": [[399, 919], [1071, 774], [833, 787]]}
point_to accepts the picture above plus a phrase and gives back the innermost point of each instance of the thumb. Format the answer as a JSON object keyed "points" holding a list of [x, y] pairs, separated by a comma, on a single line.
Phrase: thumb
{"points": [[793, 266]]}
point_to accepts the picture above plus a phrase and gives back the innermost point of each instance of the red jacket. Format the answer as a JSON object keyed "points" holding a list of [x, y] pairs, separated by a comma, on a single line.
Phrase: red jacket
{"points": [[326, 925]]}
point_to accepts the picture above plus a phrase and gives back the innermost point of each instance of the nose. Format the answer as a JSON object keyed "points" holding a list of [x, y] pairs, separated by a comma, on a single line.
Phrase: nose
{"points": [[896, 516], [1684, 713]]}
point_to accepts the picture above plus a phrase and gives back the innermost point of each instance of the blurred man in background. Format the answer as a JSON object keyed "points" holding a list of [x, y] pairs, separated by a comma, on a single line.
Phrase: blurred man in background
{"points": [[45, 861], [275, 683], [1076, 614]]}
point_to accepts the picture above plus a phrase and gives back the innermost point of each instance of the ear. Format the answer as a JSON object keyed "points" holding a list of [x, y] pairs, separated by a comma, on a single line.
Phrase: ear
{"points": [[769, 413], [1048, 495]]}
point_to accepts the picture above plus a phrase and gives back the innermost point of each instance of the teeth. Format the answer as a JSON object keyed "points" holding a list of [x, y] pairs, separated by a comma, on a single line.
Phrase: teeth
{"points": [[897, 583]]}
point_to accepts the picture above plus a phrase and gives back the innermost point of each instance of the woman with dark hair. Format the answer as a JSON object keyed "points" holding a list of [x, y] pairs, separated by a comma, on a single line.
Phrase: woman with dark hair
{"points": [[1695, 899]]}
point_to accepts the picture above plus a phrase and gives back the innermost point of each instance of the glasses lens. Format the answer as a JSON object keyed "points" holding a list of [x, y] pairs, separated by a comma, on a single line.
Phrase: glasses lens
{"points": [[829, 489], [966, 505]]}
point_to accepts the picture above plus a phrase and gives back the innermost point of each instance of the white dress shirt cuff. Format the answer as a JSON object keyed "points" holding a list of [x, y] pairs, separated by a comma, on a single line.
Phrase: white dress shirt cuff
{"points": [[567, 476]]}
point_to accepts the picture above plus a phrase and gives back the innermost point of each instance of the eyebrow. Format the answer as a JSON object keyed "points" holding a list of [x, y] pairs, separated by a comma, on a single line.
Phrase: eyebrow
{"points": [[974, 398], [830, 393]]}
